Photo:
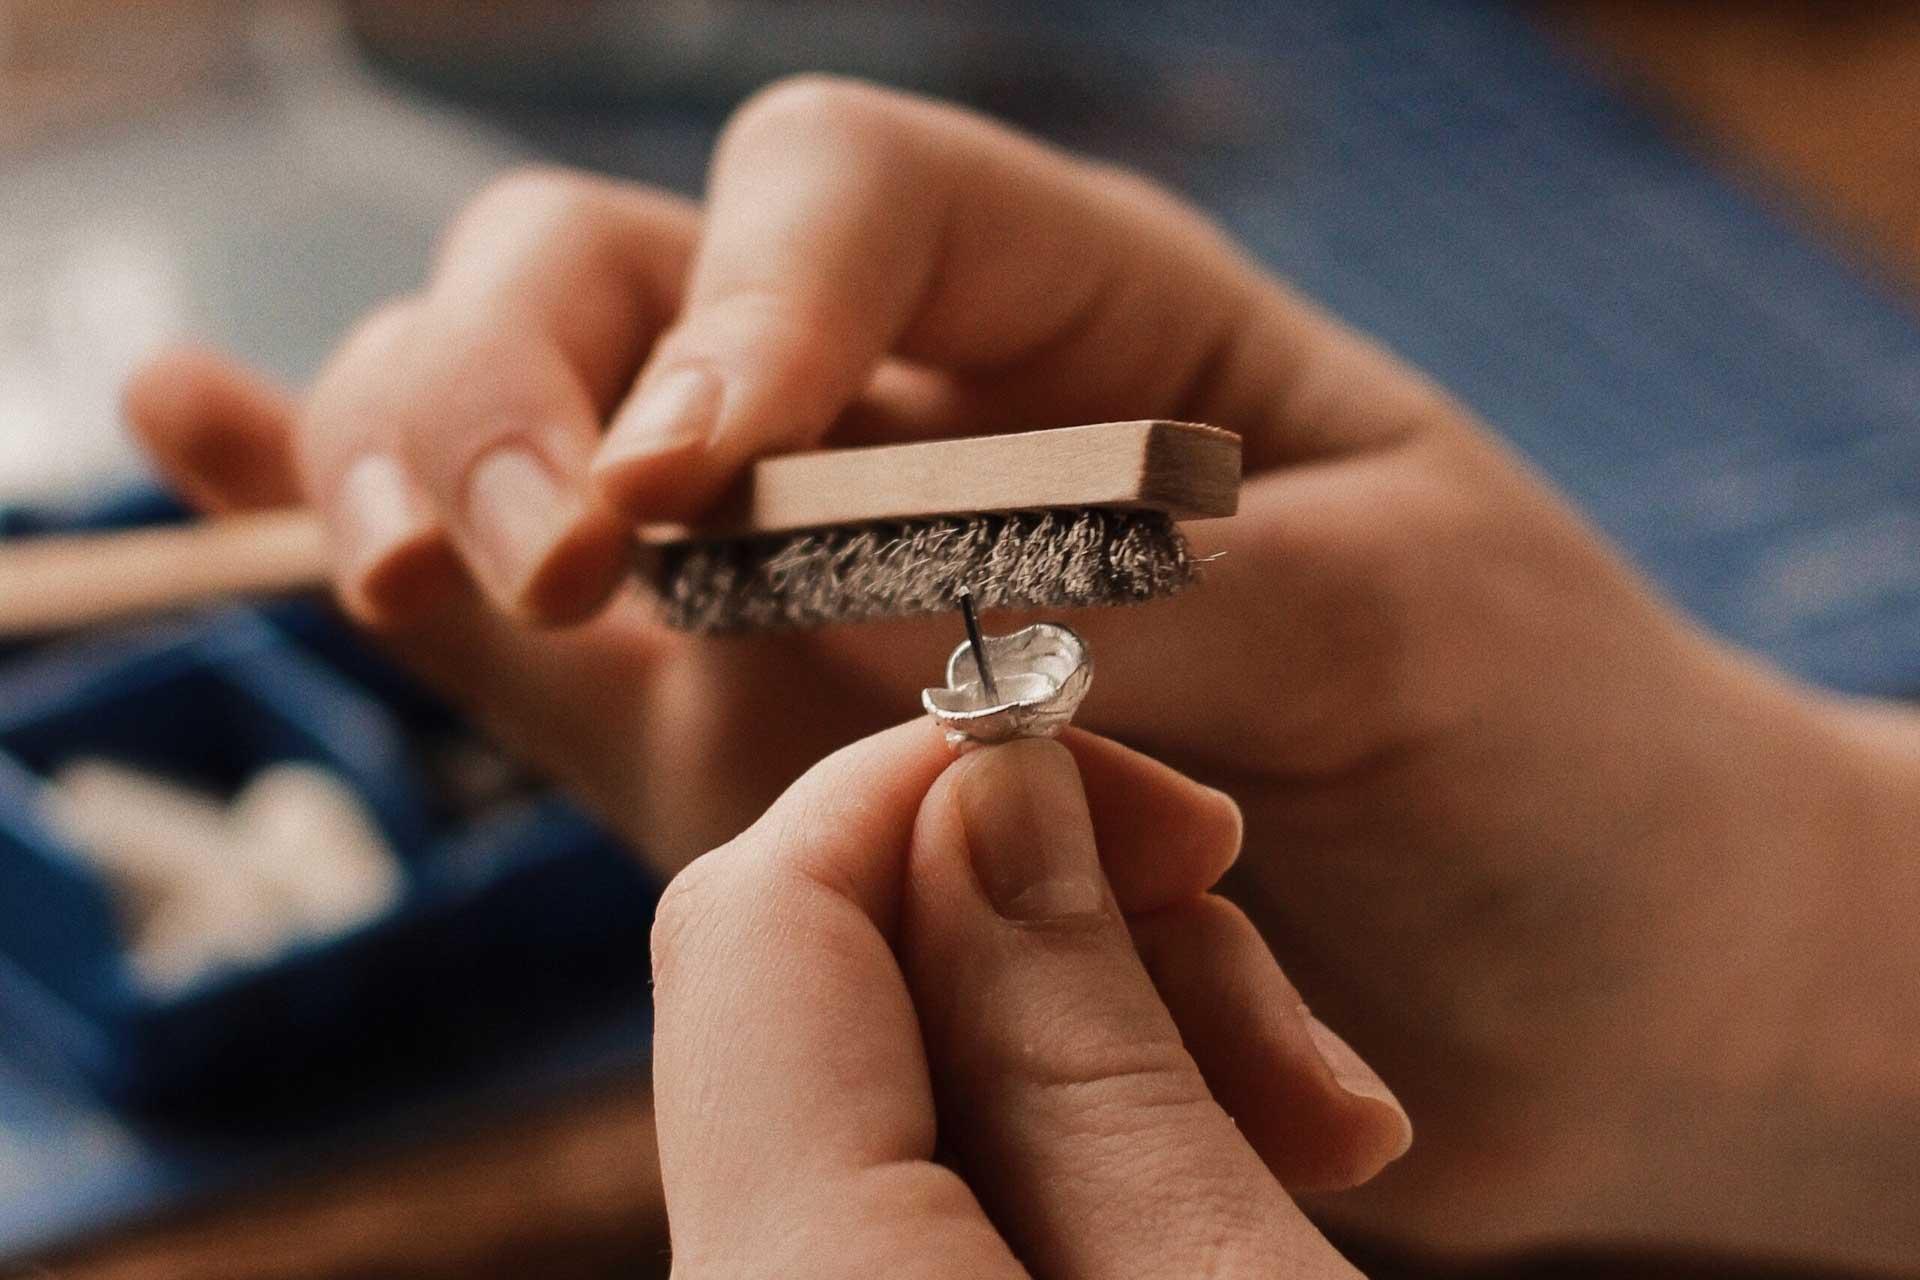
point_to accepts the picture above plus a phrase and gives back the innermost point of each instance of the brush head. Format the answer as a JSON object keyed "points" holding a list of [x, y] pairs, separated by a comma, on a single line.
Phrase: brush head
{"points": [[1019, 560]]}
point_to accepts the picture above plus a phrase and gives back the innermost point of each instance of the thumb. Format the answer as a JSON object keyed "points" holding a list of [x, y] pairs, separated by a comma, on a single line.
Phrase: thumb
{"points": [[1080, 1119]]}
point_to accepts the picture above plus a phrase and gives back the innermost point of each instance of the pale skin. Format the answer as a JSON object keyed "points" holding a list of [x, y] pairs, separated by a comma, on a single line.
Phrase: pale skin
{"points": [[1621, 915], [907, 955]]}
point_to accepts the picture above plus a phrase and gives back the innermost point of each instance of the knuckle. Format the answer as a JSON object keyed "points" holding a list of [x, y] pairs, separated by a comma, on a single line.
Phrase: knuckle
{"points": [[804, 109], [689, 909], [464, 386], [1160, 215], [342, 411], [1379, 597], [423, 386], [877, 1221], [1147, 1107], [1135, 187], [1164, 938], [1224, 1236], [485, 379], [540, 195], [537, 188], [781, 328], [1411, 601], [1113, 1089], [383, 330], [1374, 581]]}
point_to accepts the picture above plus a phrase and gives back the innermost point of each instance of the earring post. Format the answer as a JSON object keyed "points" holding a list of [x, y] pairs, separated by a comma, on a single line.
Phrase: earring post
{"points": [[977, 643]]}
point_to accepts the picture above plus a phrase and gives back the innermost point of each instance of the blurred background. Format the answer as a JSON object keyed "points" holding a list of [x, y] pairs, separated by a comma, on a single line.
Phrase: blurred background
{"points": [[1672, 250]]}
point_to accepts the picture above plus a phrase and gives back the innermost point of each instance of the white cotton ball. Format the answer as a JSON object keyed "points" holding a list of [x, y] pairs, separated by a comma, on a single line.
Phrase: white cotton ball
{"points": [[305, 833], [202, 886], [145, 836], [189, 904], [216, 923]]}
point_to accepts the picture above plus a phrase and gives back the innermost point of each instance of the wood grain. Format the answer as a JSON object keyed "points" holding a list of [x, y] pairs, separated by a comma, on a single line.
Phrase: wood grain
{"points": [[1185, 469]]}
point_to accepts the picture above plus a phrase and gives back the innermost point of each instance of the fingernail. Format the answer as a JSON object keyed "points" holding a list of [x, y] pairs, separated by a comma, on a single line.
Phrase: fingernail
{"points": [[1029, 835], [675, 411], [1351, 1072], [516, 514], [376, 513]]}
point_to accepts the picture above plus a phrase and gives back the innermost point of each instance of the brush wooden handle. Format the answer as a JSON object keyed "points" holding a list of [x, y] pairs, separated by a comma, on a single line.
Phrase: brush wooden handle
{"points": [[1191, 472], [59, 582]]}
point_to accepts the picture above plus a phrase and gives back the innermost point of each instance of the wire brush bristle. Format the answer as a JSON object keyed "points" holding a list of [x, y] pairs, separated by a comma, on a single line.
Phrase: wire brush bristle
{"points": [[1025, 559]]}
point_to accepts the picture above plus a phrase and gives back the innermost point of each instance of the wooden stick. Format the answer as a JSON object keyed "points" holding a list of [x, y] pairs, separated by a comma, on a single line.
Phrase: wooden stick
{"points": [[59, 582]]}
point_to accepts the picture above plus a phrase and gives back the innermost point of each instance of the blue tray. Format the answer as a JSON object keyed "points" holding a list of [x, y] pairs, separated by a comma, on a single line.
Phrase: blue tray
{"points": [[529, 911]]}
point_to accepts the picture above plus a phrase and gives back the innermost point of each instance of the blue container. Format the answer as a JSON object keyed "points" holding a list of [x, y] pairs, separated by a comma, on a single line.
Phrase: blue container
{"points": [[210, 704], [510, 924]]}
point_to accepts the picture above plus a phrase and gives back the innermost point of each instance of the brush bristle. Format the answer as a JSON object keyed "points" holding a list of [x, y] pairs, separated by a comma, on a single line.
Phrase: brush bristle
{"points": [[1022, 560]]}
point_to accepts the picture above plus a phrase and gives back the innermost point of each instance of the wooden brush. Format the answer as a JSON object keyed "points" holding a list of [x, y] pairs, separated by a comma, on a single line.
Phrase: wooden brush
{"points": [[1062, 518]]}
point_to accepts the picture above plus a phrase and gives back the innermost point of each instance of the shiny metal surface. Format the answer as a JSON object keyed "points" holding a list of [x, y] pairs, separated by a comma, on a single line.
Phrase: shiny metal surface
{"points": [[1041, 674]]}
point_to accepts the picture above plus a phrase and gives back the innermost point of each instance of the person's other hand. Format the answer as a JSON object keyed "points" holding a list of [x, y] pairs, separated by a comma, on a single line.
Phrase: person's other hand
{"points": [[904, 1028], [1580, 881]]}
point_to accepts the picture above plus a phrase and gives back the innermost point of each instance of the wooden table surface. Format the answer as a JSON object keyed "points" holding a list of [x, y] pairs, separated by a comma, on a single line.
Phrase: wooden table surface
{"points": [[1816, 101]]}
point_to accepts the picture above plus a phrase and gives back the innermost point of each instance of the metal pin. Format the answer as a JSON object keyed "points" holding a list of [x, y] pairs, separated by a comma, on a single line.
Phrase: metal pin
{"points": [[977, 643]]}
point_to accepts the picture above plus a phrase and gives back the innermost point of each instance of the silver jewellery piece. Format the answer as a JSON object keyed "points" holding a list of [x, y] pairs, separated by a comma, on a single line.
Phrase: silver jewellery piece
{"points": [[1026, 685]]}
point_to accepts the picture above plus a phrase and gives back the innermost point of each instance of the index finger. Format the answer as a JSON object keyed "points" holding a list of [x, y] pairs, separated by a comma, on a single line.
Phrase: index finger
{"points": [[846, 224]]}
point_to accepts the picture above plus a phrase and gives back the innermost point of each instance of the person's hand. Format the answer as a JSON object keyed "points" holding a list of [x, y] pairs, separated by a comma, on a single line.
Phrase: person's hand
{"points": [[902, 1029], [1599, 897]]}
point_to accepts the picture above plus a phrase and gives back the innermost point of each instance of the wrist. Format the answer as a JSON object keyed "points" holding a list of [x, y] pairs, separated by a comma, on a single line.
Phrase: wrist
{"points": [[1787, 1119], [1871, 1011]]}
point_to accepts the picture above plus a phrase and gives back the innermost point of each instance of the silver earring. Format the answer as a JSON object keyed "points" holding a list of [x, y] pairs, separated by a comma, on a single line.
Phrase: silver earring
{"points": [[1024, 685]]}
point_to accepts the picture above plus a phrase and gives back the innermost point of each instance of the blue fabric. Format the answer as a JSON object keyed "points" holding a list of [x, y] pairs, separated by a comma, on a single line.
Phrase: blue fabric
{"points": [[1732, 403]]}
